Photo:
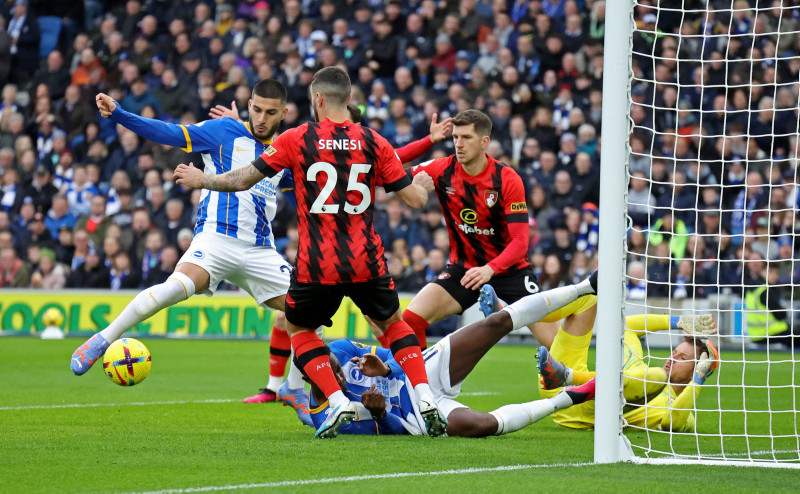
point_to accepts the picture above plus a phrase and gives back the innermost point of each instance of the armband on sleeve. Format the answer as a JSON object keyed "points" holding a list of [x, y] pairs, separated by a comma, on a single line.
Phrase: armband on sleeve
{"points": [[263, 167]]}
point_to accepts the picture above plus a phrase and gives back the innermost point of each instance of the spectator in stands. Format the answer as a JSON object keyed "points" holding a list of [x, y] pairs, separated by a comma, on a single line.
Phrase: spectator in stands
{"points": [[24, 32], [91, 273], [55, 75], [95, 221], [14, 273], [49, 274]]}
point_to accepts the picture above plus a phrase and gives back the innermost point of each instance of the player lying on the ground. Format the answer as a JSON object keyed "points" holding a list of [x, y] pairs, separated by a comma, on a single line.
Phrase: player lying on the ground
{"points": [[656, 397], [374, 380]]}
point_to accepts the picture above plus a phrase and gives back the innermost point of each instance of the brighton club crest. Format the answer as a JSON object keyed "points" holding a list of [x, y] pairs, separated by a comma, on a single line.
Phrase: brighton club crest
{"points": [[490, 196]]}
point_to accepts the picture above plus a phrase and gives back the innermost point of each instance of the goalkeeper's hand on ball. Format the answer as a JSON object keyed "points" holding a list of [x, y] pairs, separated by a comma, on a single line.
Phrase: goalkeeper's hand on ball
{"points": [[701, 325], [709, 360]]}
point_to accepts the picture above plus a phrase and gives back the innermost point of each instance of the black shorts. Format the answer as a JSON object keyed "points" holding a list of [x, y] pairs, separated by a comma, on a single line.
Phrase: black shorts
{"points": [[310, 305], [510, 286]]}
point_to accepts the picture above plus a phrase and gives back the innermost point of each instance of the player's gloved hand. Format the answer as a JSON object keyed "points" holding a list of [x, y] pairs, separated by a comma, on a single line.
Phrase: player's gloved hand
{"points": [[700, 325], [221, 111], [423, 180], [374, 401], [709, 360], [371, 365], [189, 176]]}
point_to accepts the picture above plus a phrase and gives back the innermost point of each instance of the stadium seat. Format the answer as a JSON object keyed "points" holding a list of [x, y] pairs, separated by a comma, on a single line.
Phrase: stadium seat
{"points": [[50, 29]]}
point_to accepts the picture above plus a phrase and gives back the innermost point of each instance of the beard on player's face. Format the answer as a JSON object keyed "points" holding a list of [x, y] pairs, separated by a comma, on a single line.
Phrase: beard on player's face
{"points": [[269, 131]]}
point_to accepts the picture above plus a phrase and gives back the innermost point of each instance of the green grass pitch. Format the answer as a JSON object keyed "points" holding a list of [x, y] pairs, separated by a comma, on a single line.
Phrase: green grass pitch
{"points": [[185, 428]]}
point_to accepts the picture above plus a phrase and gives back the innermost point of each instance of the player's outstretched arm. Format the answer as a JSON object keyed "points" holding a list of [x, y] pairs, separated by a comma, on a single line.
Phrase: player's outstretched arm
{"points": [[149, 128], [696, 325], [232, 181]]}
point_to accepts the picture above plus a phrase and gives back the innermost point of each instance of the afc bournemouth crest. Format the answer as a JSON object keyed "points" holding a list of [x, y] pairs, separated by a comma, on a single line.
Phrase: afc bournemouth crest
{"points": [[490, 196]]}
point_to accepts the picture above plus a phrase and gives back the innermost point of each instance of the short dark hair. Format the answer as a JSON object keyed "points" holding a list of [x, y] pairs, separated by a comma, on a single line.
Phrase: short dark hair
{"points": [[481, 121], [334, 84], [270, 88], [355, 113]]}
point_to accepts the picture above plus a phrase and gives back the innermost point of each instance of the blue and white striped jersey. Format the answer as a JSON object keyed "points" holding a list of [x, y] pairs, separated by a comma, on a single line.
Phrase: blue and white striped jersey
{"points": [[225, 144], [402, 412]]}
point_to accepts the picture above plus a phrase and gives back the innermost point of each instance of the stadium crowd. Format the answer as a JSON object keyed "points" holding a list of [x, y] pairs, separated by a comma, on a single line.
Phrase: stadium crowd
{"points": [[86, 204]]}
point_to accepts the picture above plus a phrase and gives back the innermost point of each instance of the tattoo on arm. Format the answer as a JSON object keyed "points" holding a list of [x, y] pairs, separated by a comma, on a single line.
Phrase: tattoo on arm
{"points": [[234, 180]]}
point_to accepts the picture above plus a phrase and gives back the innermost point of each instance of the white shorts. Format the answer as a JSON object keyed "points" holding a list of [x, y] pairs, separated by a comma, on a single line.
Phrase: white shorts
{"points": [[437, 365], [260, 271]]}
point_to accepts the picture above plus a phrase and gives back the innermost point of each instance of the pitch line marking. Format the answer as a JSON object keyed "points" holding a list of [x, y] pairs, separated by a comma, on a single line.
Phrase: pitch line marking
{"points": [[292, 483], [133, 403], [177, 402]]}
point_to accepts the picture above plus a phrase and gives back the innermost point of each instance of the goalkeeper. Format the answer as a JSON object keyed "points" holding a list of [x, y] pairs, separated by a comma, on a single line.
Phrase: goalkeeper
{"points": [[655, 397]]}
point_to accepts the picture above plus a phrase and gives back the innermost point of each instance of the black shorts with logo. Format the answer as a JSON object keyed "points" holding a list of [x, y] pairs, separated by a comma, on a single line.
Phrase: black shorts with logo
{"points": [[310, 305], [510, 287]]}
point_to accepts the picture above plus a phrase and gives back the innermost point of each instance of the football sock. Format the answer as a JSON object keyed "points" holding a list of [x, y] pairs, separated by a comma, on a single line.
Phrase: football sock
{"points": [[581, 377], [178, 287], [534, 308], [384, 341], [418, 325], [295, 377], [512, 418], [407, 352], [280, 349], [312, 357], [579, 394]]}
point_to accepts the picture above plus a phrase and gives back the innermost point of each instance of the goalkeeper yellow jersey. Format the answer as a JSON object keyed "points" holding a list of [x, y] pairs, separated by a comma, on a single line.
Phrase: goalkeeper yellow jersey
{"points": [[650, 402]]}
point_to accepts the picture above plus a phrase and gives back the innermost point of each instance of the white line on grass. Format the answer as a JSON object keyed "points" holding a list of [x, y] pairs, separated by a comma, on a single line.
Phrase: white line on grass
{"points": [[144, 403], [134, 403], [292, 483]]}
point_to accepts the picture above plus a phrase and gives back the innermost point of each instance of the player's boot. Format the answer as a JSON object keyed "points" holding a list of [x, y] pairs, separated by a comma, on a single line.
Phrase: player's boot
{"points": [[87, 354], [489, 303], [341, 415], [297, 399], [553, 372], [582, 393], [264, 395], [435, 422]]}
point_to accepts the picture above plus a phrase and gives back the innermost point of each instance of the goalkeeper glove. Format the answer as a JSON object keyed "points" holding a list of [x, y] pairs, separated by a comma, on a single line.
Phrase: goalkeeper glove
{"points": [[701, 325], [709, 360]]}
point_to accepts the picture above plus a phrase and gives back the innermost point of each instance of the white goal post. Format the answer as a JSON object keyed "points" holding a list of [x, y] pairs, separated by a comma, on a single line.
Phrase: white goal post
{"points": [[709, 91]]}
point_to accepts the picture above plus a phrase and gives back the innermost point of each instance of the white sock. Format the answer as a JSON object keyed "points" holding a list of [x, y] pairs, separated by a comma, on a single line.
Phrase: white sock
{"points": [[177, 288], [561, 401], [295, 377], [534, 308], [584, 288], [424, 392], [274, 383], [512, 418], [336, 399]]}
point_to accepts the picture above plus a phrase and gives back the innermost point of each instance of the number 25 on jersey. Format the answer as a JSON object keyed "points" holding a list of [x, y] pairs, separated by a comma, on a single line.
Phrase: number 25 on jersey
{"points": [[331, 175]]}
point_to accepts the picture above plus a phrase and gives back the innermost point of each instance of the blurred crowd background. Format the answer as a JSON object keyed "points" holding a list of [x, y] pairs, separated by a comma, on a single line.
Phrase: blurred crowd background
{"points": [[85, 203]]}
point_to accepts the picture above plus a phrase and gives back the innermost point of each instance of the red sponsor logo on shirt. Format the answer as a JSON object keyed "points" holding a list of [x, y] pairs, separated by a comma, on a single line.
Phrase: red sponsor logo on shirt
{"points": [[270, 151]]}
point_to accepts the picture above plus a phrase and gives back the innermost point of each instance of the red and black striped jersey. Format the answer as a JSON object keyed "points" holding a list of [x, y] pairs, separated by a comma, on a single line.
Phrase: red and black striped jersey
{"points": [[336, 168], [478, 210]]}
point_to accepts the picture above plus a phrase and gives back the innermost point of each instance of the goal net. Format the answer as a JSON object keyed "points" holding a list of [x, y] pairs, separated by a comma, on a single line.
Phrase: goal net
{"points": [[711, 148]]}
